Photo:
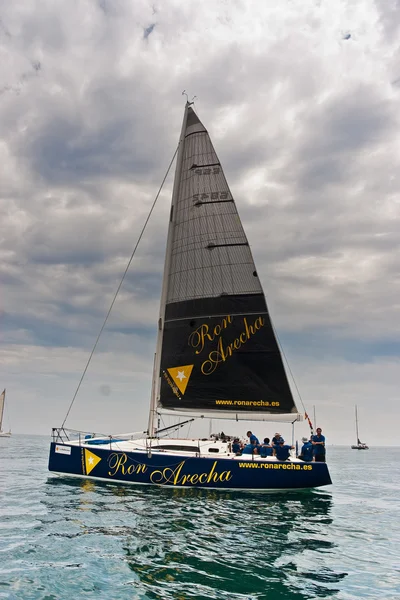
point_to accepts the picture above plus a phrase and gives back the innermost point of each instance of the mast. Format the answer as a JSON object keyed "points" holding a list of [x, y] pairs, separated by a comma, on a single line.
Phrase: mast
{"points": [[157, 360], [358, 441], [2, 401]]}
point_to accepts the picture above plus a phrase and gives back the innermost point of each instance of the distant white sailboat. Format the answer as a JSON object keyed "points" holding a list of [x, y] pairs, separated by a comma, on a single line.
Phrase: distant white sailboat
{"points": [[2, 403], [359, 445]]}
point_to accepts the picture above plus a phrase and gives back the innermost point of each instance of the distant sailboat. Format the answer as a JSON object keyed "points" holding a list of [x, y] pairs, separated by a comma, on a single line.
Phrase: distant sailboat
{"points": [[2, 403], [216, 356], [359, 445]]}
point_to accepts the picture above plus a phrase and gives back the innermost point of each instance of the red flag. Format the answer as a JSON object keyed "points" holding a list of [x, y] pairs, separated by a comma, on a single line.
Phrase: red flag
{"points": [[309, 422]]}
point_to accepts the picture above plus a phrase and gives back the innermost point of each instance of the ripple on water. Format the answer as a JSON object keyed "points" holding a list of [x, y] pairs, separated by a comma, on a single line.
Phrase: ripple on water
{"points": [[64, 538]]}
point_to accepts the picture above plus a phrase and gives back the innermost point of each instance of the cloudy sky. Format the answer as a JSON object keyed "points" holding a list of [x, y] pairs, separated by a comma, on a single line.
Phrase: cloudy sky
{"points": [[301, 99]]}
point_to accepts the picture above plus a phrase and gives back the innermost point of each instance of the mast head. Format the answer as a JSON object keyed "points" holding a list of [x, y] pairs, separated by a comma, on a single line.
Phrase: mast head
{"points": [[188, 102]]}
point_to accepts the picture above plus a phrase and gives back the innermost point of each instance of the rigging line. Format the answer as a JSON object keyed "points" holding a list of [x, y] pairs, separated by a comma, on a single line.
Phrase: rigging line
{"points": [[120, 284], [287, 362]]}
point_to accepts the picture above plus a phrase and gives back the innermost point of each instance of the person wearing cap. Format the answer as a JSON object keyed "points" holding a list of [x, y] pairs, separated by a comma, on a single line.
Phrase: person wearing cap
{"points": [[252, 438], [318, 443], [306, 453], [281, 450], [277, 439]]}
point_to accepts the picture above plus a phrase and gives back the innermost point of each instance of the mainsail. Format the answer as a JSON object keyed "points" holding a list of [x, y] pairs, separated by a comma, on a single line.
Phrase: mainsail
{"points": [[217, 352]]}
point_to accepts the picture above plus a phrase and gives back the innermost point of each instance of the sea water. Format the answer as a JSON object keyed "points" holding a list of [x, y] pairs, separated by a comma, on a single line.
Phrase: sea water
{"points": [[66, 538]]}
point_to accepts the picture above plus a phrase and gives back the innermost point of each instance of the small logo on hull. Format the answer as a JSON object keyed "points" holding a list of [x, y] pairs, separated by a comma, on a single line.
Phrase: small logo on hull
{"points": [[63, 450], [91, 460]]}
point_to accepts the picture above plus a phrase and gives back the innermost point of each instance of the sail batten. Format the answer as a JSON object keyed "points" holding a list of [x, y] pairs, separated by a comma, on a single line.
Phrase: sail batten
{"points": [[218, 348]]}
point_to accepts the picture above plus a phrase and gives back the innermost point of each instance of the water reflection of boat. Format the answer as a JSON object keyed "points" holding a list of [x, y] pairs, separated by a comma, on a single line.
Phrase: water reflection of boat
{"points": [[207, 550], [192, 542]]}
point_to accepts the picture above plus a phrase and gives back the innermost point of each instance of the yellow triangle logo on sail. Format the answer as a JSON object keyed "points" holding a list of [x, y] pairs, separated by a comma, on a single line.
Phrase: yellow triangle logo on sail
{"points": [[91, 460], [181, 376]]}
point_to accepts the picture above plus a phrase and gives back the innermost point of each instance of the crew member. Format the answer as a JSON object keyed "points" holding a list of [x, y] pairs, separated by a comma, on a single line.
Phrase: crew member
{"points": [[265, 448], [306, 453], [318, 443], [250, 448], [252, 438], [277, 439], [282, 450]]}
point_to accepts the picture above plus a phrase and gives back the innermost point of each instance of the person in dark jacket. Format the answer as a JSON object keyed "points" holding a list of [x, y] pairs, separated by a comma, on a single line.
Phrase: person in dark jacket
{"points": [[236, 447], [277, 439], [318, 442], [266, 449], [306, 453], [282, 451], [250, 448], [252, 438]]}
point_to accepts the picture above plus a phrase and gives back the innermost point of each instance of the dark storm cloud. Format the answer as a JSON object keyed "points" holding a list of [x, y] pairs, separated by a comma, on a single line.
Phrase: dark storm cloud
{"points": [[66, 151]]}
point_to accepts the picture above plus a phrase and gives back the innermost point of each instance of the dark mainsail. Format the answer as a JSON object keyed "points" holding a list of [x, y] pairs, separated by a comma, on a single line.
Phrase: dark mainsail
{"points": [[217, 349]]}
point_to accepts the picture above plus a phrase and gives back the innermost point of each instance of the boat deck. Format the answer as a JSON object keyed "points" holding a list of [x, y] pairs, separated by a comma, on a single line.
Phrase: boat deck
{"points": [[174, 447]]}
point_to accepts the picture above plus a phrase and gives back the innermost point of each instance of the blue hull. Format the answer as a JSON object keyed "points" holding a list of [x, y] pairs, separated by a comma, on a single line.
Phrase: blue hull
{"points": [[182, 471]]}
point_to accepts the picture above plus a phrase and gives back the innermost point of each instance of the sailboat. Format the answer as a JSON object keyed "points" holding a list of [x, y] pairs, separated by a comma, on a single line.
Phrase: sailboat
{"points": [[359, 445], [216, 357], [2, 403]]}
